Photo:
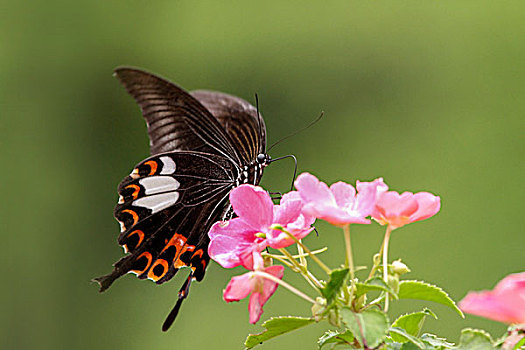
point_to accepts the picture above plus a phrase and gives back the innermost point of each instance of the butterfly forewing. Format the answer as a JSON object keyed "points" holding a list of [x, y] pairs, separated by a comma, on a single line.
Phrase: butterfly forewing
{"points": [[175, 120]]}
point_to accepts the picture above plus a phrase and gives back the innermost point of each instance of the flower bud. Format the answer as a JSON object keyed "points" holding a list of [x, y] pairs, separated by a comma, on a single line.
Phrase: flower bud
{"points": [[399, 268], [319, 308], [377, 259]]}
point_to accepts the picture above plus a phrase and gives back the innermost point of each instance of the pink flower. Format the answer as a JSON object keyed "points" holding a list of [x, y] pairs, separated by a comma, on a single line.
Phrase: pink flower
{"points": [[233, 241], [257, 284], [289, 211], [400, 209], [338, 204], [506, 303]]}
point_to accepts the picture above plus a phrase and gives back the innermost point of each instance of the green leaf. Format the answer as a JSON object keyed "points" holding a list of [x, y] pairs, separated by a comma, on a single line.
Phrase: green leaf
{"points": [[425, 291], [411, 323], [337, 279], [375, 283], [331, 337], [399, 333], [276, 326], [475, 339], [369, 327], [435, 342]]}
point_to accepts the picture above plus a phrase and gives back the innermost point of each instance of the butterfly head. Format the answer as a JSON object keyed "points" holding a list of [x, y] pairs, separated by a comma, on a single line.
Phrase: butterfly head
{"points": [[263, 159]]}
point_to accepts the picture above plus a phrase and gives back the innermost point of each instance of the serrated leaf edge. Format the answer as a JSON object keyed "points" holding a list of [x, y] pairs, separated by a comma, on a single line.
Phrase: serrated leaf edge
{"points": [[455, 307]]}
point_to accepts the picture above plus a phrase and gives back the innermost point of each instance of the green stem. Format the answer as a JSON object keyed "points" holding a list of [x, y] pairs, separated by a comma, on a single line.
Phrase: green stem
{"points": [[300, 252], [385, 261], [285, 285], [348, 246], [349, 264], [310, 254], [302, 270], [280, 258], [297, 256]]}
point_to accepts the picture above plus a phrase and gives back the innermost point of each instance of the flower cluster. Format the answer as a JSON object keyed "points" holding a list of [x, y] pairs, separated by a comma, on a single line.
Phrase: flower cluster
{"points": [[260, 224]]}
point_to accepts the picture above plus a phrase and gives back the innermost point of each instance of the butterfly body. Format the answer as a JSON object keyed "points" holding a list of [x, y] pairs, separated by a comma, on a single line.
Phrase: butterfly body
{"points": [[203, 144]]}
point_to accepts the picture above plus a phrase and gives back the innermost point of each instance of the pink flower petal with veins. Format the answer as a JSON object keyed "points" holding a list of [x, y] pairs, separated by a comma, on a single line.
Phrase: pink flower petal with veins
{"points": [[253, 204], [338, 204], [428, 205], [260, 288], [238, 288], [228, 241], [398, 210], [506, 303]]}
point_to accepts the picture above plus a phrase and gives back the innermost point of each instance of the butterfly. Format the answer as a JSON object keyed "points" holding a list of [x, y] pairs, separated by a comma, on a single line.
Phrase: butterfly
{"points": [[202, 144]]}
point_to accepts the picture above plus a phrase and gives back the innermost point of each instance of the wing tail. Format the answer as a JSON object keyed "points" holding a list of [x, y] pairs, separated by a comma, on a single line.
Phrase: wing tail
{"points": [[183, 294]]}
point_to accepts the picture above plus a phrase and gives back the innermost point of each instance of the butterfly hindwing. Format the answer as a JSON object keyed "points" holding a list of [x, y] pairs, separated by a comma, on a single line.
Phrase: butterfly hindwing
{"points": [[240, 120], [166, 207]]}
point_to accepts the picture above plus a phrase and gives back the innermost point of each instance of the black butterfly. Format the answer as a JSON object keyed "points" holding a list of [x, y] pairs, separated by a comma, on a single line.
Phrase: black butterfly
{"points": [[203, 144]]}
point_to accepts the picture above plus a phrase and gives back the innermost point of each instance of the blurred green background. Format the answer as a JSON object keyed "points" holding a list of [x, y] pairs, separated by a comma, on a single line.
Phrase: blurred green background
{"points": [[427, 94]]}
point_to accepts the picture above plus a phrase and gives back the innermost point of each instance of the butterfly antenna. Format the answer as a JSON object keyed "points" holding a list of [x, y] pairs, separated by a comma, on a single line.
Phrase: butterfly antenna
{"points": [[298, 131], [294, 170], [183, 294]]}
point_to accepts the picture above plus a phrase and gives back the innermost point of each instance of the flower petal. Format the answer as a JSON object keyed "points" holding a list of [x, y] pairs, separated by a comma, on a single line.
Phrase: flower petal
{"points": [[394, 208], [313, 190], [344, 194], [239, 287], [506, 303], [428, 205], [488, 305], [367, 194], [253, 204], [255, 307], [230, 239], [288, 210], [270, 286]]}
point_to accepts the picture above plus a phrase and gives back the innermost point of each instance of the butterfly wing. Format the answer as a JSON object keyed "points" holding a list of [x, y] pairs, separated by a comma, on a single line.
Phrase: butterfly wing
{"points": [[166, 207], [240, 119], [175, 119]]}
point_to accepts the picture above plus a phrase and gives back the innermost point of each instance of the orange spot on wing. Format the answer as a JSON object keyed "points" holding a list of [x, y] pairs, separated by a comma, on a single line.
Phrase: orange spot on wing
{"points": [[178, 264], [149, 257], [138, 233], [151, 273], [153, 166], [198, 252], [179, 242], [133, 214], [136, 190]]}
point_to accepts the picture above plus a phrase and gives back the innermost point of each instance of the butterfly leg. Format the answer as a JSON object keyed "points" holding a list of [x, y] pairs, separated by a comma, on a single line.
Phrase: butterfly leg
{"points": [[183, 294]]}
